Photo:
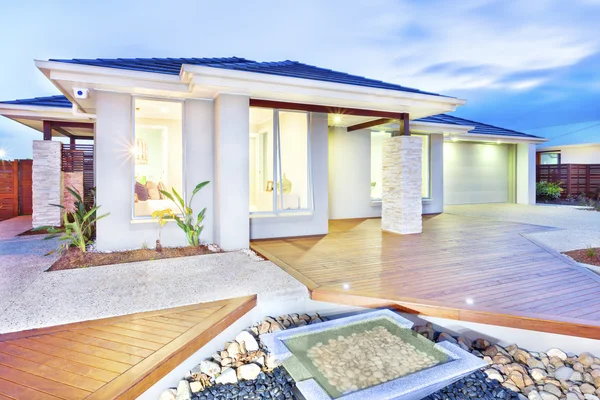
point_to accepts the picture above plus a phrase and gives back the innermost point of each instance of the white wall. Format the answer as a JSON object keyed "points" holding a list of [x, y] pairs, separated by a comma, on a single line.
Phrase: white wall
{"points": [[526, 173], [315, 223], [232, 181], [580, 154], [475, 173], [350, 175], [114, 173]]}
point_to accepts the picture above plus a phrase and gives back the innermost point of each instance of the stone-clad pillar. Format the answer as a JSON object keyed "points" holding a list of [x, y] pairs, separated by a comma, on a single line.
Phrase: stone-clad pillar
{"points": [[47, 185], [401, 183]]}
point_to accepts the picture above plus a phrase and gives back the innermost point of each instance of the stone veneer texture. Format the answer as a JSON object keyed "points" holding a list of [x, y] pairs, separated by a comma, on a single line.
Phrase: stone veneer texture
{"points": [[402, 207], [47, 185]]}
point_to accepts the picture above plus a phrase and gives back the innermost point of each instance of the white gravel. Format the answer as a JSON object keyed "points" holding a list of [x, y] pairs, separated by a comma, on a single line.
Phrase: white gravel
{"points": [[60, 297], [569, 228]]}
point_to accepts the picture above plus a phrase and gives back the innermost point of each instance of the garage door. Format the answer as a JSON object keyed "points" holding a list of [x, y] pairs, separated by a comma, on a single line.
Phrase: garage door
{"points": [[476, 173]]}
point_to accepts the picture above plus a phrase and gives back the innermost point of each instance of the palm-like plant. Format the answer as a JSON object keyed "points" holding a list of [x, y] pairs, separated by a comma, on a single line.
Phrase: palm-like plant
{"points": [[79, 225], [192, 226]]}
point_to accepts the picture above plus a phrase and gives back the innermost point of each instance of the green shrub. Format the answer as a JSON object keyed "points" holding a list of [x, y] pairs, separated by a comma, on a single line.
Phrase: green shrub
{"points": [[548, 190], [78, 227], [192, 226]]}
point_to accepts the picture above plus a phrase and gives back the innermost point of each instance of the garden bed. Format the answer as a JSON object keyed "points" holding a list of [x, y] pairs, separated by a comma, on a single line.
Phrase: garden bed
{"points": [[74, 258], [587, 256]]}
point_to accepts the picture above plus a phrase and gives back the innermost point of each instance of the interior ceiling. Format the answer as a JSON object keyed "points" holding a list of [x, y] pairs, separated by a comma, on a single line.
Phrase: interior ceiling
{"points": [[158, 109]]}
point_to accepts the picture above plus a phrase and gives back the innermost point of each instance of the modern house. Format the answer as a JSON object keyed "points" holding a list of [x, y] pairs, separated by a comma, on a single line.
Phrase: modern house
{"points": [[577, 143], [287, 146]]}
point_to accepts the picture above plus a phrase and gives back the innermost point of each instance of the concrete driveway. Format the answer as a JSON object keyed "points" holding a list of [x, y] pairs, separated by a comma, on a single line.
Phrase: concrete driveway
{"points": [[577, 228]]}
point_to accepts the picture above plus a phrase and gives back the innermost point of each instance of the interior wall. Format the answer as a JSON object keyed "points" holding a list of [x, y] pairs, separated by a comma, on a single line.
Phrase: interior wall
{"points": [[310, 223]]}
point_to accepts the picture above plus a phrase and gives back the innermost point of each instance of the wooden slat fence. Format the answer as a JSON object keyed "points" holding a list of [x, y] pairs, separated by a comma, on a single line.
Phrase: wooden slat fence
{"points": [[15, 188], [80, 157], [575, 179]]}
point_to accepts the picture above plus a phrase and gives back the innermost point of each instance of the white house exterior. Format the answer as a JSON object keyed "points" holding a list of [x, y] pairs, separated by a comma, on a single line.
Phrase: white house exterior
{"points": [[577, 143], [285, 146]]}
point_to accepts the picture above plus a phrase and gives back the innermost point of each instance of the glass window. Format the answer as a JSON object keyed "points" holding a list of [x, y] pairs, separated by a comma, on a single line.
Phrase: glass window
{"points": [[157, 150], [279, 161], [377, 138], [549, 158]]}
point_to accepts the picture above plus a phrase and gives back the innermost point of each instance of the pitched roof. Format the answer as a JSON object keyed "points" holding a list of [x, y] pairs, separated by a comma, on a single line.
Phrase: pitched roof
{"points": [[48, 101], [294, 69], [480, 128]]}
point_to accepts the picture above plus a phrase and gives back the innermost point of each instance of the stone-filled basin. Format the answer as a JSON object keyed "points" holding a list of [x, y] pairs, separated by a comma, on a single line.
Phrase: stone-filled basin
{"points": [[372, 355]]}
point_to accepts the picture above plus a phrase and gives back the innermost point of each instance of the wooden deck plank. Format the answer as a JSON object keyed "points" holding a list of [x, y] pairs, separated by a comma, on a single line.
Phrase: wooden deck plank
{"points": [[459, 267], [19, 392], [109, 358], [41, 384]]}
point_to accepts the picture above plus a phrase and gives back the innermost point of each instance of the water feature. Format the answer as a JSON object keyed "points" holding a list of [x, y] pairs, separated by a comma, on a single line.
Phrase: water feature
{"points": [[369, 355]]}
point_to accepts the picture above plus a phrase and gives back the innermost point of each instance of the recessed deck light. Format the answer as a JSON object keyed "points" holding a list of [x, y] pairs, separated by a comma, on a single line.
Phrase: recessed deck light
{"points": [[346, 286], [470, 301]]}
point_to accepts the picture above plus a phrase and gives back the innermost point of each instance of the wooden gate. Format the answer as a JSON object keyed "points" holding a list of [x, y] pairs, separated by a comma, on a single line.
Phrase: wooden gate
{"points": [[575, 179], [15, 188]]}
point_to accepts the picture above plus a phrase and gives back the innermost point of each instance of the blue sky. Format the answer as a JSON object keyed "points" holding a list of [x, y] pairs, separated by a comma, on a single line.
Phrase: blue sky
{"points": [[520, 64]]}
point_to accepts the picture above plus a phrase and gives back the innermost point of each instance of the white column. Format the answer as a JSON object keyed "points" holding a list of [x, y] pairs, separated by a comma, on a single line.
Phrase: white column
{"points": [[231, 171], [46, 183], [401, 184], [526, 173], [435, 204], [199, 161]]}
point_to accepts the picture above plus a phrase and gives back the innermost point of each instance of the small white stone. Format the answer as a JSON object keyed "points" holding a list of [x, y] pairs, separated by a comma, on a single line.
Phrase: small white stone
{"points": [[196, 386], [547, 395], [169, 394], [227, 376], [246, 338], [210, 368], [248, 372], [184, 392], [563, 373], [557, 353]]}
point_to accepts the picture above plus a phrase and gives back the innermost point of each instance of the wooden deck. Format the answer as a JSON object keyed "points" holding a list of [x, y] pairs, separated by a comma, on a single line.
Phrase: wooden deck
{"points": [[463, 268], [112, 358]]}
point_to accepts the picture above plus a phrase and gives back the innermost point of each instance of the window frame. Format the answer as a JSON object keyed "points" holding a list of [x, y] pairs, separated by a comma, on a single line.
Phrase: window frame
{"points": [[558, 158], [141, 218], [277, 173], [377, 201]]}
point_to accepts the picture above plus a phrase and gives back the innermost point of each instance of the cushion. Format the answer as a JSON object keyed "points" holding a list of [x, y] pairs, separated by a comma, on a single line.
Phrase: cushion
{"points": [[141, 191], [161, 186], [152, 188]]}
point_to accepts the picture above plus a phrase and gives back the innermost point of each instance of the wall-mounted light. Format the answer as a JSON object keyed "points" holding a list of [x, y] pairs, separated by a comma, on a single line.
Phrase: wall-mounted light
{"points": [[337, 119], [498, 142], [454, 138]]}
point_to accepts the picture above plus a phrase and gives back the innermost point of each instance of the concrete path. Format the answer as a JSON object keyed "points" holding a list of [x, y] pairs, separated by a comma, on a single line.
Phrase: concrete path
{"points": [[577, 228], [10, 228]]}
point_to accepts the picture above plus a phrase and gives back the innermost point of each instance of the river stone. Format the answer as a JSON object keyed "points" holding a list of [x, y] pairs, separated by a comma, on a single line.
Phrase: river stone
{"points": [[233, 349], [539, 374], [169, 394], [246, 338], [184, 392], [248, 372], [227, 376], [501, 359], [517, 378], [563, 373], [586, 359], [590, 397], [535, 363], [480, 344], [547, 395], [557, 353], [445, 337], [196, 386], [587, 388], [574, 396], [550, 388], [494, 374], [576, 377], [534, 395]]}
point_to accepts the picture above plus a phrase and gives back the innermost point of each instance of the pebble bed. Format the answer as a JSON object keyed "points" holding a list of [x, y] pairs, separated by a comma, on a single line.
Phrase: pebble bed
{"points": [[368, 358], [474, 386], [268, 385]]}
